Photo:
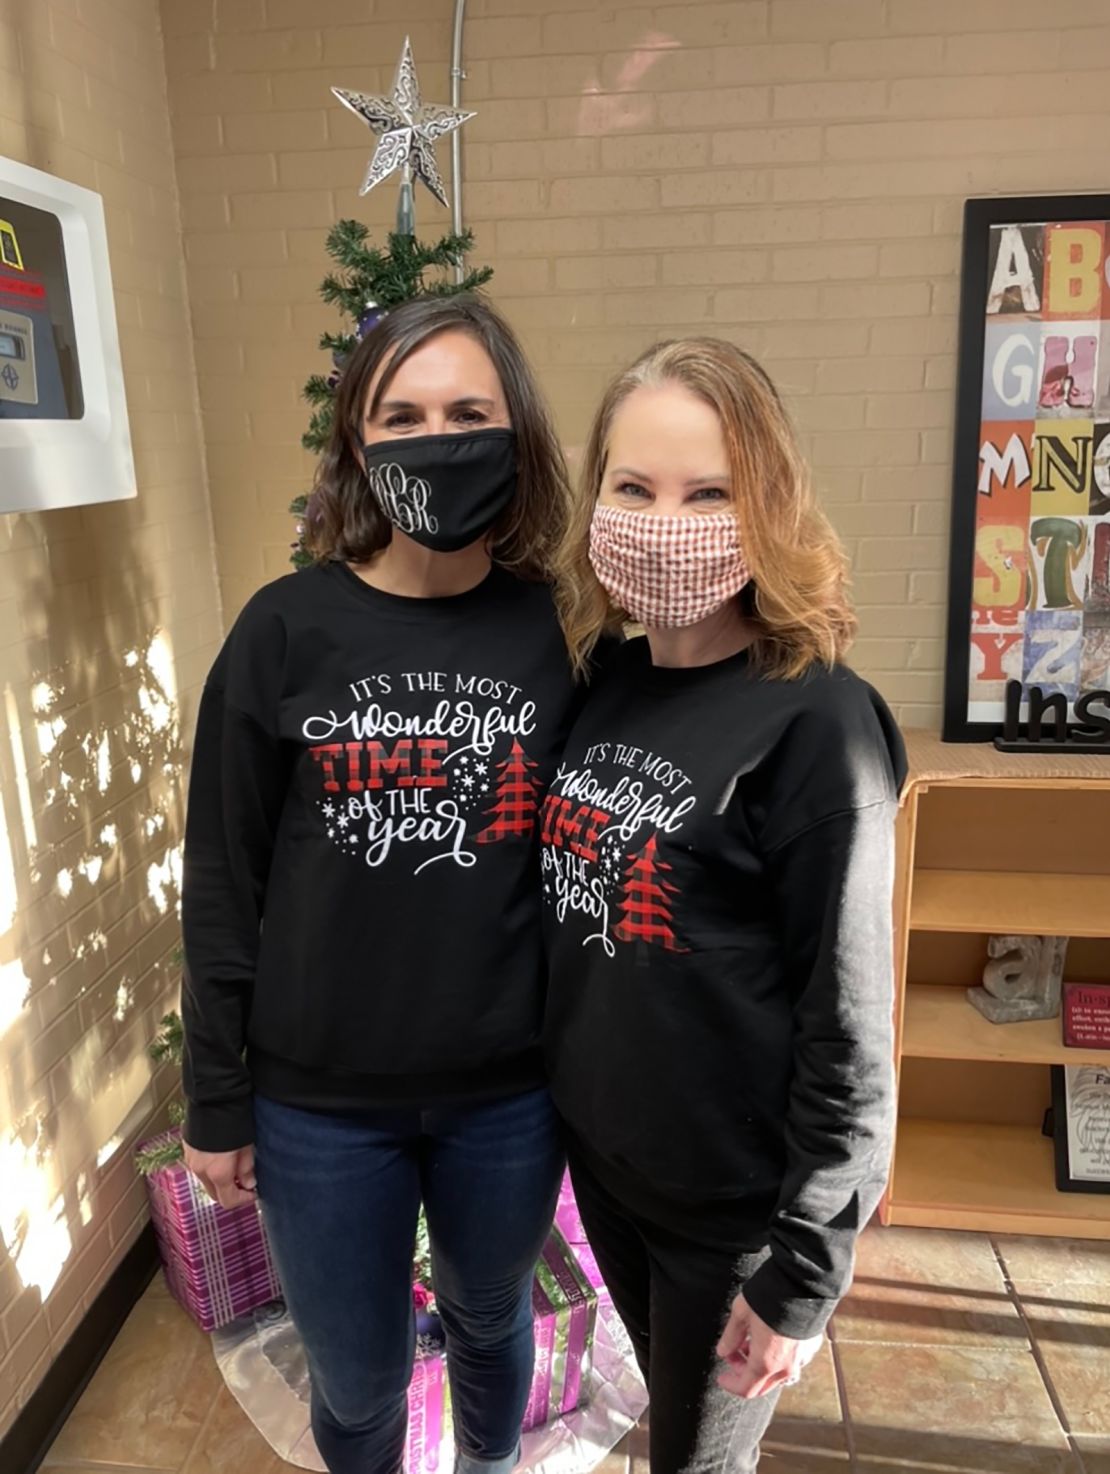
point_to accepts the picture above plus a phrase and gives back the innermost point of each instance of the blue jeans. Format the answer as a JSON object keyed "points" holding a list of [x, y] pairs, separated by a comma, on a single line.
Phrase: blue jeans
{"points": [[340, 1195]]}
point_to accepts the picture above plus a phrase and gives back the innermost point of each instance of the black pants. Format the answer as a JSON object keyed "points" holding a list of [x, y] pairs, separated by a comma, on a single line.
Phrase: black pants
{"points": [[673, 1287]]}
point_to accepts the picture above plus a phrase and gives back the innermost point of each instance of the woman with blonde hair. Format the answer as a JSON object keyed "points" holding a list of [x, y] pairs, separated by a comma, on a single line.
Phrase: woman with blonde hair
{"points": [[717, 856]]}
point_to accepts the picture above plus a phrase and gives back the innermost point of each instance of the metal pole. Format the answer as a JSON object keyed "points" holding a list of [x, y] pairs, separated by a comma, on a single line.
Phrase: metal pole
{"points": [[457, 75]]}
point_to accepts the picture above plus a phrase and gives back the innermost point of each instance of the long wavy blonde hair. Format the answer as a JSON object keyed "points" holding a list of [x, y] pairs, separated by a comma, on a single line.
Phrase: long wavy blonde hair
{"points": [[798, 595]]}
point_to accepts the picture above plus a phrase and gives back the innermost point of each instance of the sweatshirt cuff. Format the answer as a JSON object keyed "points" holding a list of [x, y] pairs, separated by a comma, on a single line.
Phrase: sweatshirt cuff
{"points": [[220, 1126], [774, 1298]]}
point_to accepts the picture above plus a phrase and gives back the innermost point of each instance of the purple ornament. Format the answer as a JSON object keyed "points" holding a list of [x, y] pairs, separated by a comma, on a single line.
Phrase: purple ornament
{"points": [[369, 320]]}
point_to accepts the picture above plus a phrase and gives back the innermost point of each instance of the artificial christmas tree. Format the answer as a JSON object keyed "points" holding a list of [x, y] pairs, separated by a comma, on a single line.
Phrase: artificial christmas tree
{"points": [[370, 280]]}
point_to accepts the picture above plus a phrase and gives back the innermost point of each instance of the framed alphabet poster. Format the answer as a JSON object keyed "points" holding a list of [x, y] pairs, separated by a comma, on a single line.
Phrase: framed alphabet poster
{"points": [[1029, 582]]}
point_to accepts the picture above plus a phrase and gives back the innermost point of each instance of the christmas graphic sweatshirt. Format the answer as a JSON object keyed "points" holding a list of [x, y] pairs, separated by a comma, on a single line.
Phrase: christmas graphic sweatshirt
{"points": [[717, 871], [361, 908]]}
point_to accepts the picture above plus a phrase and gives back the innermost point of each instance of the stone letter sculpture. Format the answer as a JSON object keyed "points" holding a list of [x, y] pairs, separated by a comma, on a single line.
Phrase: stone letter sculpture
{"points": [[1022, 979]]}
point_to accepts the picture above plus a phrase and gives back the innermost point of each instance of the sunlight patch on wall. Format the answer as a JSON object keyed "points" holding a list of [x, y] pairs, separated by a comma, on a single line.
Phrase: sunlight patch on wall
{"points": [[102, 763], [48, 734], [161, 878], [120, 1104], [15, 994], [43, 696], [9, 899], [108, 1150], [125, 994], [607, 110], [96, 941], [32, 1223], [84, 1198], [19, 761]]}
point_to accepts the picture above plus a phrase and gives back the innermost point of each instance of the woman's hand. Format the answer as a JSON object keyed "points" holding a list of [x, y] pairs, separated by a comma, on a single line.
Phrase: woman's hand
{"points": [[759, 1359], [226, 1176]]}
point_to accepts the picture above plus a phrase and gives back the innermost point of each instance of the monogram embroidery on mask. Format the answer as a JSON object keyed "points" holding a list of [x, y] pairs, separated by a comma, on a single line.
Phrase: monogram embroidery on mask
{"points": [[403, 499]]}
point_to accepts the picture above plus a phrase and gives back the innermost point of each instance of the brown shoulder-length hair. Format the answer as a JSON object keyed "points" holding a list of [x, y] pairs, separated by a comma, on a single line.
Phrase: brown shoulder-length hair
{"points": [[798, 595], [343, 521]]}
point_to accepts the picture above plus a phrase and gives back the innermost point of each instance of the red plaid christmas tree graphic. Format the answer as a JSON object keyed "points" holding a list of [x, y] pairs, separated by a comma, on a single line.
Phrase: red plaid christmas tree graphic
{"points": [[645, 910], [514, 812]]}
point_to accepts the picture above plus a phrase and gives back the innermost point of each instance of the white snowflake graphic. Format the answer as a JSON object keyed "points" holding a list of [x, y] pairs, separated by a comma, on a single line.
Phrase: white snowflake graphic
{"points": [[343, 821], [329, 810], [467, 781], [352, 839], [482, 767], [331, 833], [610, 864]]}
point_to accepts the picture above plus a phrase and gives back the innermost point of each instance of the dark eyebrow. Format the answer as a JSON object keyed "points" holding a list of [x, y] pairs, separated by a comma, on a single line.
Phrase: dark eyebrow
{"points": [[394, 404]]}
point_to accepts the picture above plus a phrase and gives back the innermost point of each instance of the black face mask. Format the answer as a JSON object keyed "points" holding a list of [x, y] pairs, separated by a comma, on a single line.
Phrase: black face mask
{"points": [[444, 491]]}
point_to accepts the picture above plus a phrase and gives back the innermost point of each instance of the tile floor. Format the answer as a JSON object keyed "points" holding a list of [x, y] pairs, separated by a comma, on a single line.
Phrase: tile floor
{"points": [[955, 1354]]}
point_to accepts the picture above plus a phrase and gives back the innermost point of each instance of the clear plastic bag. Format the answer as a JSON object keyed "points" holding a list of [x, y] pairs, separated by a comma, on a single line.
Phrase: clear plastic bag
{"points": [[263, 1364]]}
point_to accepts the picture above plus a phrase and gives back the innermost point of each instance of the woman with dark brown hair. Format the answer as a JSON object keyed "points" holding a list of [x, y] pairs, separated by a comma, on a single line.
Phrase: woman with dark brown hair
{"points": [[717, 856], [364, 995]]}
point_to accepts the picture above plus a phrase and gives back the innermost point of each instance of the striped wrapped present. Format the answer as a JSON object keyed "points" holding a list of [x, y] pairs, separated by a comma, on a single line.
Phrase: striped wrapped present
{"points": [[568, 1221], [217, 1260], [564, 1313]]}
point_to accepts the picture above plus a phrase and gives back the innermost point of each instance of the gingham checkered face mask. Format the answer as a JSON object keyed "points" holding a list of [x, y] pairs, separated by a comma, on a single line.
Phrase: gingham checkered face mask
{"points": [[667, 572]]}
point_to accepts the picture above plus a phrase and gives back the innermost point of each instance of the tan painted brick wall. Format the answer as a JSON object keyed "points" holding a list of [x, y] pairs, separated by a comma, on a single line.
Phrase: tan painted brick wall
{"points": [[108, 620], [788, 173]]}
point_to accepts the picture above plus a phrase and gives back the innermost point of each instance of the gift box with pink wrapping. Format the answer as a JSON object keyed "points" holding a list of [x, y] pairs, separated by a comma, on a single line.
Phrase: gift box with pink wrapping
{"points": [[217, 1260], [564, 1312], [564, 1309], [568, 1221]]}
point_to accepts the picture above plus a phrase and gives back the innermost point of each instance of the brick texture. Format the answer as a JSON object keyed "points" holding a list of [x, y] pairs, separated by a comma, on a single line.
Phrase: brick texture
{"points": [[788, 173], [109, 616]]}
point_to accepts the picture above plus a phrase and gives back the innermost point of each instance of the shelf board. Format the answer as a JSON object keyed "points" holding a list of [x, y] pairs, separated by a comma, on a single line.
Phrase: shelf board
{"points": [[992, 1179], [1011, 901], [940, 1023]]}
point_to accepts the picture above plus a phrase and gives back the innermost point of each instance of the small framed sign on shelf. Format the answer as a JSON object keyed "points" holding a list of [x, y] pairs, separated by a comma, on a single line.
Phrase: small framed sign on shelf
{"points": [[1081, 1127], [1086, 1016]]}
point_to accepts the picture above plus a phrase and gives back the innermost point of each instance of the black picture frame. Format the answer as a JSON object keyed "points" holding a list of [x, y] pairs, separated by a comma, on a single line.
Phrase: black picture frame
{"points": [[980, 215], [1065, 1182]]}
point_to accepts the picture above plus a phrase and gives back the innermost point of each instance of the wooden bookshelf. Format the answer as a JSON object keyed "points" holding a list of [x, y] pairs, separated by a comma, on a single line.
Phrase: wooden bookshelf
{"points": [[1001, 901], [940, 1023], [990, 844], [997, 1179]]}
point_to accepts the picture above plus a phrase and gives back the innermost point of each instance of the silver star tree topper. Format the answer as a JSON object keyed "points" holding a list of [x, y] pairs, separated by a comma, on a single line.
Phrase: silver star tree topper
{"points": [[407, 128]]}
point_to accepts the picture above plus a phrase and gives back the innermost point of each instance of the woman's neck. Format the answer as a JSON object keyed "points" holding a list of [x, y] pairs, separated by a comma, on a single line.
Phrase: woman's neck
{"points": [[407, 568], [725, 632]]}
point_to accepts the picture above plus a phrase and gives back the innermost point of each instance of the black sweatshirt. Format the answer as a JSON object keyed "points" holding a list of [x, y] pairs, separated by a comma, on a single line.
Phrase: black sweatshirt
{"points": [[717, 861], [361, 905]]}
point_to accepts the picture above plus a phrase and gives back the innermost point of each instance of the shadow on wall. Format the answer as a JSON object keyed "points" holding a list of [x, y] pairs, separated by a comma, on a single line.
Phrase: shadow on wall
{"points": [[92, 793], [91, 796]]}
